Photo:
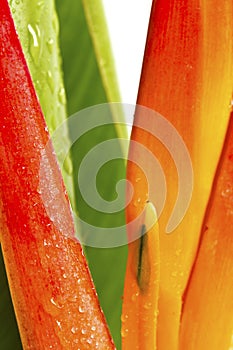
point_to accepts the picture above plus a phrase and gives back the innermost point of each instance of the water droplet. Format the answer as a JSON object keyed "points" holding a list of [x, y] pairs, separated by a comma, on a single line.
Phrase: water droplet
{"points": [[34, 42], [59, 306], [50, 43], [83, 331], [58, 323], [124, 318], [62, 95], [124, 332], [80, 309], [53, 302], [73, 298], [147, 306], [227, 192], [73, 330], [40, 3], [93, 328], [135, 296], [45, 243], [50, 80]]}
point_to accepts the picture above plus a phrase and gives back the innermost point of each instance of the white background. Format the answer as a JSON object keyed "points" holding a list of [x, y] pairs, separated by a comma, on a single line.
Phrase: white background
{"points": [[128, 23]]}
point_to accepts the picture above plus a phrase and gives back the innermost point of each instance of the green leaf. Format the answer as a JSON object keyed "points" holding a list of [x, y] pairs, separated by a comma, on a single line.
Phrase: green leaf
{"points": [[90, 80]]}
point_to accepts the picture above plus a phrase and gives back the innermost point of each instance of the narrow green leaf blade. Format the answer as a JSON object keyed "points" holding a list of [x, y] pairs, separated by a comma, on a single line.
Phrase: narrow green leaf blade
{"points": [[90, 80]]}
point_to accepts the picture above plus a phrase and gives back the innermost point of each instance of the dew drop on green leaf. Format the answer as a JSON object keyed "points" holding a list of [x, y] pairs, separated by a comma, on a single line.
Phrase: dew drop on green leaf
{"points": [[34, 42]]}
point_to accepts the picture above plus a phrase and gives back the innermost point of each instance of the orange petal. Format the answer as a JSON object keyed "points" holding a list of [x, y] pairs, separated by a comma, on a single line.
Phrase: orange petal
{"points": [[187, 77], [207, 318]]}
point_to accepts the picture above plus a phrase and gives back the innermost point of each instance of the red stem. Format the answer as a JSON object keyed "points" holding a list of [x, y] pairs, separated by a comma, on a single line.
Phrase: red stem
{"points": [[53, 294]]}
